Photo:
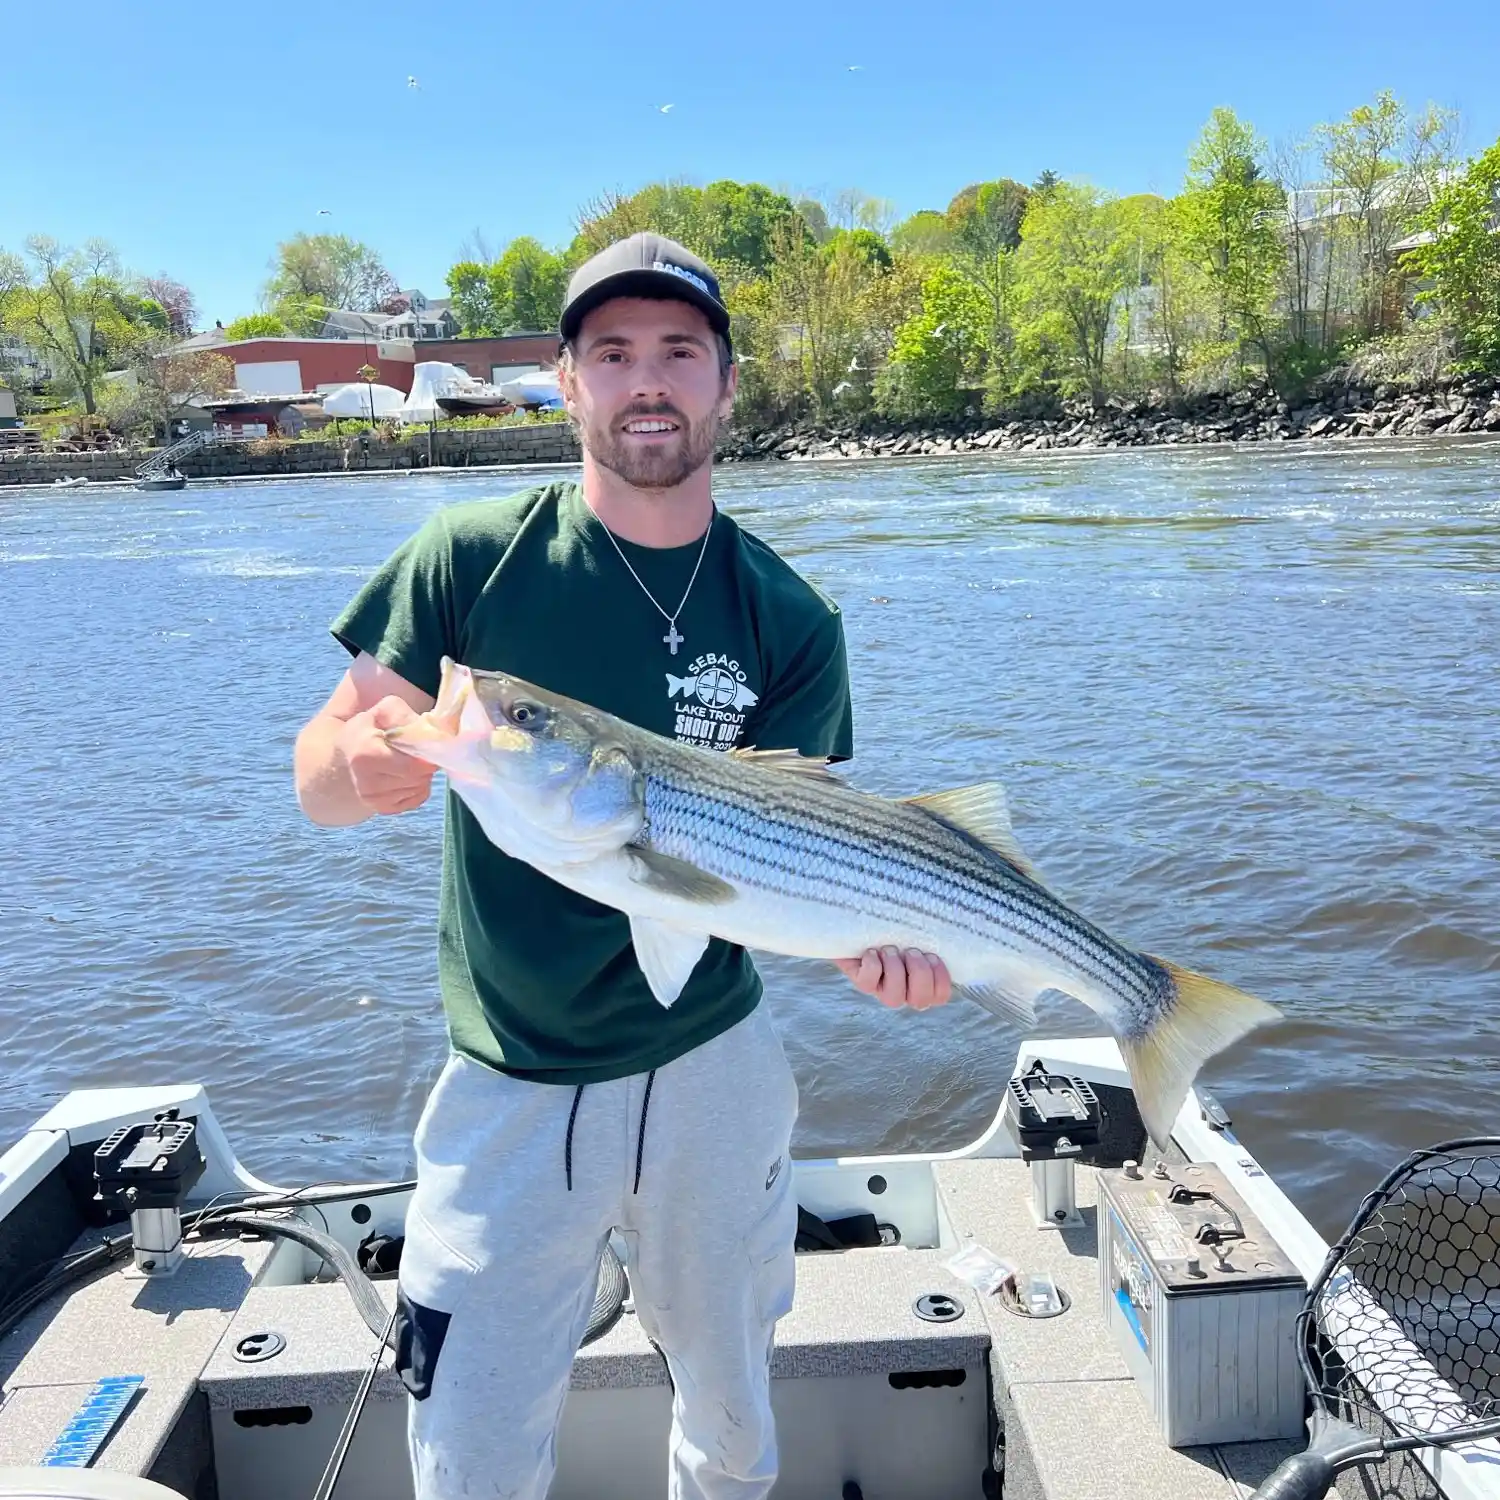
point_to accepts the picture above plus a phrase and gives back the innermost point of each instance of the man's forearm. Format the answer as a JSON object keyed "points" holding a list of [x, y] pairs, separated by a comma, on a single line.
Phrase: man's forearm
{"points": [[324, 789]]}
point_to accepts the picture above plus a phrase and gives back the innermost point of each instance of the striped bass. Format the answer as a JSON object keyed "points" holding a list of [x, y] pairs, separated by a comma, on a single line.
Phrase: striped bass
{"points": [[770, 850]]}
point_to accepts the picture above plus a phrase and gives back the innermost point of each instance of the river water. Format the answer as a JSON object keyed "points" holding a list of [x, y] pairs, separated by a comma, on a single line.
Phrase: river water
{"points": [[1245, 701]]}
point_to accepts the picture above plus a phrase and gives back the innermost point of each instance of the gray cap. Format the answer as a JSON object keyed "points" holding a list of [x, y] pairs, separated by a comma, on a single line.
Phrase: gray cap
{"points": [[644, 265]]}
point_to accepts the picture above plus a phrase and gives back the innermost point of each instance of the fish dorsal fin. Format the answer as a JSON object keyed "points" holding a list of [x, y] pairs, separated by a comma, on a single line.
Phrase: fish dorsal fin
{"points": [[786, 760], [982, 812]]}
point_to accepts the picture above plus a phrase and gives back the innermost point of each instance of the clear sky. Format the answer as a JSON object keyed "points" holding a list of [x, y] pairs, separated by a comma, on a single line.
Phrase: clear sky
{"points": [[195, 136]]}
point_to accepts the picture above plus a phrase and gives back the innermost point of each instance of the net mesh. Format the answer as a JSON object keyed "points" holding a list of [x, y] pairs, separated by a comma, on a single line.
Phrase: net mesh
{"points": [[1410, 1315]]}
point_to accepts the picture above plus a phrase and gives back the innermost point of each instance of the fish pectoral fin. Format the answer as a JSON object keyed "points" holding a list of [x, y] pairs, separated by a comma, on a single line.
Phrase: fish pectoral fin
{"points": [[786, 760], [676, 877], [1003, 1003], [982, 812], [667, 955]]}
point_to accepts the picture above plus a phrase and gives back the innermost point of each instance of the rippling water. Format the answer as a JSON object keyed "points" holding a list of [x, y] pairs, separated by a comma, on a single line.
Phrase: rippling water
{"points": [[1244, 701]]}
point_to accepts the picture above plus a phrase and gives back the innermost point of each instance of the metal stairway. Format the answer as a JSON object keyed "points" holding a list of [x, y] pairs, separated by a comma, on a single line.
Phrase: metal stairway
{"points": [[157, 465]]}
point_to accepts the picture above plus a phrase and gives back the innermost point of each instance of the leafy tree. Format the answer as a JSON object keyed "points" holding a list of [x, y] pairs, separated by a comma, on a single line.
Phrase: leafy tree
{"points": [[474, 298], [863, 242], [528, 283], [939, 350], [1384, 168], [67, 305], [985, 218], [1046, 182], [313, 273], [730, 224], [165, 383], [1228, 222], [926, 232], [1462, 259], [1074, 261], [256, 326]]}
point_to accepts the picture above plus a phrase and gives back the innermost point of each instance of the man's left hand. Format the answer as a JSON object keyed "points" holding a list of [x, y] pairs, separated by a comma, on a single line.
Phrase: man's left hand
{"points": [[898, 978]]}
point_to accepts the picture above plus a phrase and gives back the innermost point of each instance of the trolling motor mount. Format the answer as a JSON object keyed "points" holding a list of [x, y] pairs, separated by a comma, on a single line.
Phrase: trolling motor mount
{"points": [[1055, 1120], [147, 1171]]}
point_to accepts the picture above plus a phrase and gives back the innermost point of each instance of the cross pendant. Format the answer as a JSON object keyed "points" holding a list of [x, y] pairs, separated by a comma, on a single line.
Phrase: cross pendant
{"points": [[672, 638]]}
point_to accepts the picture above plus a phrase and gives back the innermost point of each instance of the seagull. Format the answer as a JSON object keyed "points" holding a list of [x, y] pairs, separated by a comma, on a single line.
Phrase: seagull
{"points": [[325, 210], [936, 332], [664, 108], [853, 365], [843, 385], [411, 81], [856, 67]]}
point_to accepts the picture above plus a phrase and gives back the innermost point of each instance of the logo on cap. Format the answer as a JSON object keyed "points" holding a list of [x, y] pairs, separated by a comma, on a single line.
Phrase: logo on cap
{"points": [[682, 271]]}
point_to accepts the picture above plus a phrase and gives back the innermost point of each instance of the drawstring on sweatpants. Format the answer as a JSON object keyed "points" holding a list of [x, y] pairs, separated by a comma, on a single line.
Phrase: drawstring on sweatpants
{"points": [[640, 1137], [568, 1144]]}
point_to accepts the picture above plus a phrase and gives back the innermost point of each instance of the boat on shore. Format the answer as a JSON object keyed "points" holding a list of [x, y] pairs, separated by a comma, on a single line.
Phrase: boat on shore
{"points": [[1015, 1318]]}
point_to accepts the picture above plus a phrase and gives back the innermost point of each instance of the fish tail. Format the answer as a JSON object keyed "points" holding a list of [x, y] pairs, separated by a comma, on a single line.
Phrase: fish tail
{"points": [[1201, 1017]]}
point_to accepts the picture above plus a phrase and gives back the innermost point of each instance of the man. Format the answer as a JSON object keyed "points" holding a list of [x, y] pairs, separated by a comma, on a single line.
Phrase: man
{"points": [[572, 1104]]}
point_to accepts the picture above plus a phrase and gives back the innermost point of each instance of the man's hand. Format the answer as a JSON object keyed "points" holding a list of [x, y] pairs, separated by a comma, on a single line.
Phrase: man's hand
{"points": [[913, 978], [386, 780]]}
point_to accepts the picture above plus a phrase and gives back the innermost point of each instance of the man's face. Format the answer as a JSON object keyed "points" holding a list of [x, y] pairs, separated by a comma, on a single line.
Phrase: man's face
{"points": [[646, 392]]}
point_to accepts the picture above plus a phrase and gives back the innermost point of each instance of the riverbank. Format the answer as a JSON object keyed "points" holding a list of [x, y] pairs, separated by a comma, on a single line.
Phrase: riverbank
{"points": [[1470, 404], [1344, 410]]}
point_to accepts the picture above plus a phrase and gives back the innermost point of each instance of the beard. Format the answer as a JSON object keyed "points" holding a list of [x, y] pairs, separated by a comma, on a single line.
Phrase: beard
{"points": [[654, 466]]}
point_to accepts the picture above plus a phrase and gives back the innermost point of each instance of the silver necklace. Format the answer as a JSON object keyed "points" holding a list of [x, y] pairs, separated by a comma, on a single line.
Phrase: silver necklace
{"points": [[672, 638]]}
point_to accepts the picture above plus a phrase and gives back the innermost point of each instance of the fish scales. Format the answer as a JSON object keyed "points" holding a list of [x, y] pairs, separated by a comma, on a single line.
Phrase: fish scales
{"points": [[902, 854]]}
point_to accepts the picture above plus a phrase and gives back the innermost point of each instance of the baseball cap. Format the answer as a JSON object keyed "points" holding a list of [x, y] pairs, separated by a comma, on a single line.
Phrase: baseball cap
{"points": [[643, 265]]}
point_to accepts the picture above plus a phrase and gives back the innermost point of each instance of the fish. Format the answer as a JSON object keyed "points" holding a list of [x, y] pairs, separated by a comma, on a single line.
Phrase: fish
{"points": [[773, 851]]}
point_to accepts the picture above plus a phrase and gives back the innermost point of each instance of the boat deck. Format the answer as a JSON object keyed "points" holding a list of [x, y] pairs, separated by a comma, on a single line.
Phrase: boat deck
{"points": [[1072, 1422]]}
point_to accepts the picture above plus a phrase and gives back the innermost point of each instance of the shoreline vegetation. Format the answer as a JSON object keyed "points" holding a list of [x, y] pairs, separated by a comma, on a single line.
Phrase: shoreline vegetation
{"points": [[1453, 405], [1285, 290]]}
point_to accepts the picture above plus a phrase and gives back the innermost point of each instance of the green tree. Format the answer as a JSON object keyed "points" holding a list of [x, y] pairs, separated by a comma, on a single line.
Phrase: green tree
{"points": [[256, 326], [939, 350], [527, 286], [863, 242], [985, 218], [811, 328], [315, 273], [1228, 222], [1075, 259], [1383, 168], [730, 224], [474, 298], [67, 305], [1462, 258], [926, 232]]}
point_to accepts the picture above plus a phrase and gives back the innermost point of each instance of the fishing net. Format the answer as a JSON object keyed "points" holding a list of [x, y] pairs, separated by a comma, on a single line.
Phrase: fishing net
{"points": [[1410, 1312]]}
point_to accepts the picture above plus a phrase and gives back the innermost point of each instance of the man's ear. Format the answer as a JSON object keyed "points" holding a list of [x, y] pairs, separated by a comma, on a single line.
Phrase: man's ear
{"points": [[731, 385]]}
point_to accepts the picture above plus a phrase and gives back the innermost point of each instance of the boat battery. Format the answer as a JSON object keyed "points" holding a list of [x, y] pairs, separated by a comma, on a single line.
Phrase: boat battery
{"points": [[1202, 1304]]}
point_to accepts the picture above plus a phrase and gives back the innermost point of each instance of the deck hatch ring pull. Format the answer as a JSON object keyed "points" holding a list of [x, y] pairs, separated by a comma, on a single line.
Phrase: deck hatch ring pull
{"points": [[937, 1307], [255, 1347]]}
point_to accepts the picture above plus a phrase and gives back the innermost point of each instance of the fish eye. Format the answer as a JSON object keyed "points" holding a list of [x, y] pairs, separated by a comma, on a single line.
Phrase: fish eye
{"points": [[524, 714]]}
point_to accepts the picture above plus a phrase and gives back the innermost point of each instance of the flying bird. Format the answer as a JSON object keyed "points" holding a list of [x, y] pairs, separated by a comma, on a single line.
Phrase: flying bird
{"points": [[842, 386], [936, 332], [853, 365], [411, 82], [856, 67], [325, 210], [665, 108]]}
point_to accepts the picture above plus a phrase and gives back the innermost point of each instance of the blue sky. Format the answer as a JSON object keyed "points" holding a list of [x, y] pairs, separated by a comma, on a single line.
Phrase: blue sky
{"points": [[194, 137]]}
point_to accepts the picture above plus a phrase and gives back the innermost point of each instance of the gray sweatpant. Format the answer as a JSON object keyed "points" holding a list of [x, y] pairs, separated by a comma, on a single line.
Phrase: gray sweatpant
{"points": [[518, 1187]]}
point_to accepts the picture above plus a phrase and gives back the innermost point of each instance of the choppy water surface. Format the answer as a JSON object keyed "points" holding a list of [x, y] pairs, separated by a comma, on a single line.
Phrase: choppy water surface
{"points": [[1244, 701]]}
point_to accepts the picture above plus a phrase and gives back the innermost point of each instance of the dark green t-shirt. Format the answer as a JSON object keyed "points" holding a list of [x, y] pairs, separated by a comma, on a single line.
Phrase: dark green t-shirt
{"points": [[537, 980]]}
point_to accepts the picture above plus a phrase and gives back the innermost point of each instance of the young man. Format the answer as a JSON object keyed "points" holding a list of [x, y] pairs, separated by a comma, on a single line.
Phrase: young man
{"points": [[572, 1104]]}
